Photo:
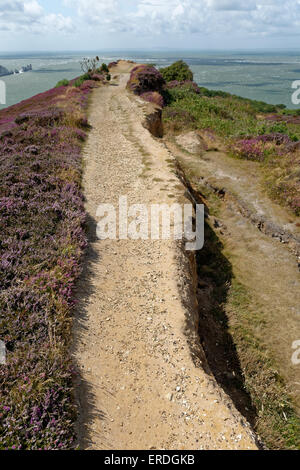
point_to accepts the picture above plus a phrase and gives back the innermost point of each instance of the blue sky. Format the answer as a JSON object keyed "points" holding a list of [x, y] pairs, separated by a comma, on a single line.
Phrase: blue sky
{"points": [[28, 25]]}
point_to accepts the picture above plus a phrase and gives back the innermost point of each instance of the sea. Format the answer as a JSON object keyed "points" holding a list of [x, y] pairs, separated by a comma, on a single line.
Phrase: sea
{"points": [[261, 75]]}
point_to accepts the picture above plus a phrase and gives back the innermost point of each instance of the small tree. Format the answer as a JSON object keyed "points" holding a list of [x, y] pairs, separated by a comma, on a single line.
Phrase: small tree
{"points": [[89, 65]]}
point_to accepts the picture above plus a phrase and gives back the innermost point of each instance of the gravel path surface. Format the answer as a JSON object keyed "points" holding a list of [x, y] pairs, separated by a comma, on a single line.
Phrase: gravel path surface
{"points": [[142, 383]]}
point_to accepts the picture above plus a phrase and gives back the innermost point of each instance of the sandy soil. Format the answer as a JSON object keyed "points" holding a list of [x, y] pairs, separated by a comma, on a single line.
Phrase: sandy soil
{"points": [[142, 381]]}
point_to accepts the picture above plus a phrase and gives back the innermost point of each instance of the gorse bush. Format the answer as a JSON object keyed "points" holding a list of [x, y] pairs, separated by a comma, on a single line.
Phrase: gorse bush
{"points": [[104, 68], [179, 71], [79, 81], [63, 82]]}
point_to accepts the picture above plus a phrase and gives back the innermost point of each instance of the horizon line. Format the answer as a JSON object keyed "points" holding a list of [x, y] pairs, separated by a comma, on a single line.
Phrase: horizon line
{"points": [[154, 49]]}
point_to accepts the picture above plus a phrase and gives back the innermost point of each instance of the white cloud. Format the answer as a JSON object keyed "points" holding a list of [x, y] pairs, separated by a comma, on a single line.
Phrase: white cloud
{"points": [[232, 5], [152, 17], [33, 9], [29, 16], [157, 17]]}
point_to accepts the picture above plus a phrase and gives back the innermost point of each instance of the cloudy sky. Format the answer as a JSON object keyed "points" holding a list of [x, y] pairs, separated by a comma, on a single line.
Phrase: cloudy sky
{"points": [[186, 24]]}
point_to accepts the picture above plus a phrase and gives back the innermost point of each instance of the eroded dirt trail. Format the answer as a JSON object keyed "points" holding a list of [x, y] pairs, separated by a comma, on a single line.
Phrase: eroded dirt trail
{"points": [[261, 241], [142, 384]]}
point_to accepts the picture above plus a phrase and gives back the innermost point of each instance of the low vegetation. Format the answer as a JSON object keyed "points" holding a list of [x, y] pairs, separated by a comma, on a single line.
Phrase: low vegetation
{"points": [[93, 71], [63, 82], [269, 135], [250, 130], [42, 238]]}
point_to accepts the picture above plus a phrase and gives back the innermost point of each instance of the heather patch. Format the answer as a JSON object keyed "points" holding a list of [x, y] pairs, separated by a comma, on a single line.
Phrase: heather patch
{"points": [[279, 155], [97, 77], [146, 81], [259, 148], [42, 239], [153, 97]]}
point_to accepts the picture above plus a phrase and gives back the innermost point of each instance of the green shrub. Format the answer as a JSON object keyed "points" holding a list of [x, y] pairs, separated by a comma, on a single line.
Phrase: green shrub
{"points": [[179, 71], [63, 82], [82, 79], [213, 93], [225, 115], [104, 68], [78, 82], [281, 106]]}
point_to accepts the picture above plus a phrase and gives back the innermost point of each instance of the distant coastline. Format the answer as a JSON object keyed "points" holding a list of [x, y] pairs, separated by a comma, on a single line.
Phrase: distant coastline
{"points": [[4, 71]]}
